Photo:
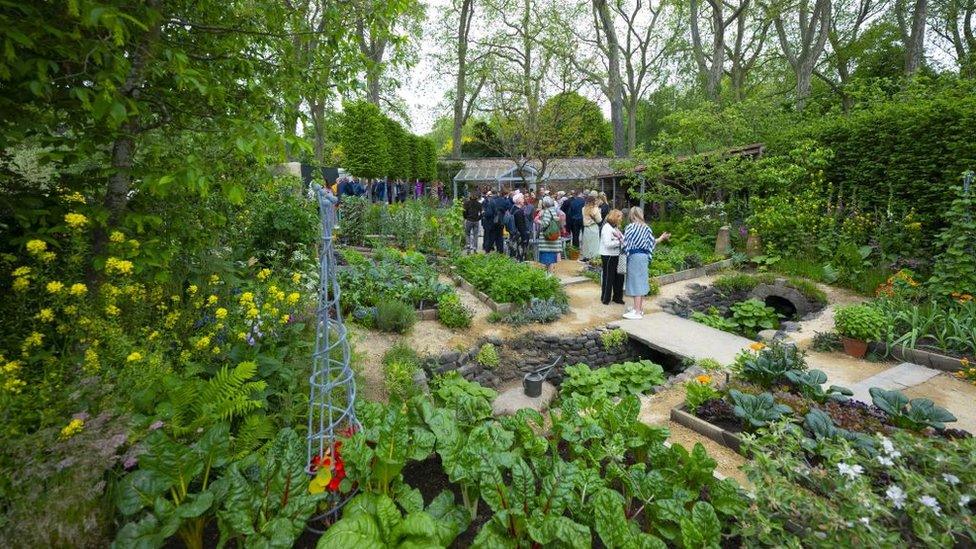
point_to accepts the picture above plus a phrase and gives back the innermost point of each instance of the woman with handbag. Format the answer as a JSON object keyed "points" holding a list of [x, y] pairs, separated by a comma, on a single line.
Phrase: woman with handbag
{"points": [[549, 229], [611, 239], [639, 243]]}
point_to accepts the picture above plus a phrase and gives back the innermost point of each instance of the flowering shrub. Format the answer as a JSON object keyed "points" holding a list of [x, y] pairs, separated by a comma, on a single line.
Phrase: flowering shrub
{"points": [[909, 491]]}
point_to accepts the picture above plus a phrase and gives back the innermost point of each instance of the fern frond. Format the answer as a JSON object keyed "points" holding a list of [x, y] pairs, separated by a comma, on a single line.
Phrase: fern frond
{"points": [[253, 433]]}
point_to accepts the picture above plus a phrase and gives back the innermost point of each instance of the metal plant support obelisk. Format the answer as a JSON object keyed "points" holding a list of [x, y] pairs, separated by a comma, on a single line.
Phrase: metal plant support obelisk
{"points": [[332, 395]]}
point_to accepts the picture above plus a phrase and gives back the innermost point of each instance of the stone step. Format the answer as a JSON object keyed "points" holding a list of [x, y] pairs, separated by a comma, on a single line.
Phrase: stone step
{"points": [[684, 338], [900, 377], [570, 280]]}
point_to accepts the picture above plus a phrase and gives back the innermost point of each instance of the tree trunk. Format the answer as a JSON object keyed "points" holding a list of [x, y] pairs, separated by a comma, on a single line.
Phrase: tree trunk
{"points": [[614, 82], [915, 48], [467, 10], [632, 123]]}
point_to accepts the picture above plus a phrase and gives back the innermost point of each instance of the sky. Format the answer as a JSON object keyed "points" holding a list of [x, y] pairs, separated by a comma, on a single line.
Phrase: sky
{"points": [[424, 89]]}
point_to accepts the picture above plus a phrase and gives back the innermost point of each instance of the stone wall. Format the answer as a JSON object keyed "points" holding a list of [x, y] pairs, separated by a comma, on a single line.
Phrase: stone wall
{"points": [[533, 351]]}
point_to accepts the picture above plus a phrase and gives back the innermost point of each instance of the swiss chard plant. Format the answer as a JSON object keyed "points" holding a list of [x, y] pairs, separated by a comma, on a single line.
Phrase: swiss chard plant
{"points": [[915, 414], [375, 520]]}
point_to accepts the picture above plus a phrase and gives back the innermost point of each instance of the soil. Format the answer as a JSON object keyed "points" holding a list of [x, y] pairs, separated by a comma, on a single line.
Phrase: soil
{"points": [[429, 477]]}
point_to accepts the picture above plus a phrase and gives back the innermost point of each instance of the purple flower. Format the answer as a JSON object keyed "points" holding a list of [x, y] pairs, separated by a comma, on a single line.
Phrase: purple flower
{"points": [[743, 231], [156, 425], [130, 462]]}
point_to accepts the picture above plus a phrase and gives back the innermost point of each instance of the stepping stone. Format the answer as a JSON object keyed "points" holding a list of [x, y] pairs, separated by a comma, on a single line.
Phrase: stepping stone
{"points": [[684, 338], [570, 280], [899, 377], [514, 399]]}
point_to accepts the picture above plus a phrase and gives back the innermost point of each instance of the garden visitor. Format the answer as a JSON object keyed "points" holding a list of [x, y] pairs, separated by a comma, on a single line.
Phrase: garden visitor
{"points": [[573, 208], [550, 229], [488, 220], [519, 238], [639, 243], [611, 240], [590, 246], [604, 207], [472, 220], [561, 199]]}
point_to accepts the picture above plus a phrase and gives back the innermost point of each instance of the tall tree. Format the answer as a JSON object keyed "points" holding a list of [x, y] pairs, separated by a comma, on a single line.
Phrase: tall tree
{"points": [[466, 60], [955, 22], [362, 137], [711, 62], [383, 29], [911, 16], [751, 29], [846, 36], [802, 31], [607, 41]]}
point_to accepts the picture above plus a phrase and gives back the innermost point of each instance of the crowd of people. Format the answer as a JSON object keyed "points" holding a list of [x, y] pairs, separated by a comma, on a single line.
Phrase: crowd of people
{"points": [[583, 219], [386, 190]]}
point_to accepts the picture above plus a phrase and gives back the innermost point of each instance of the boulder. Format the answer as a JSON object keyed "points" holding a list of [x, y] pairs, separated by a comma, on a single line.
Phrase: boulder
{"points": [[513, 399]]}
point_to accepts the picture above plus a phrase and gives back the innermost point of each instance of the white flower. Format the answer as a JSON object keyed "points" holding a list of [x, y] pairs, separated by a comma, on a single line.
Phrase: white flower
{"points": [[885, 460], [951, 479], [889, 448], [851, 471], [896, 495], [964, 500], [865, 521], [931, 503]]}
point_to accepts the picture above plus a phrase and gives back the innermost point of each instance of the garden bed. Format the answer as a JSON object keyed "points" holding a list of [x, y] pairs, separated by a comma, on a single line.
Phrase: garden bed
{"points": [[688, 274], [722, 435], [923, 357], [501, 308]]}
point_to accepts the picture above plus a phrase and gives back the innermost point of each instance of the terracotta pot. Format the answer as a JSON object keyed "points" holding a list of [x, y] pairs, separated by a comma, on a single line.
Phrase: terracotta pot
{"points": [[573, 254], [854, 347]]}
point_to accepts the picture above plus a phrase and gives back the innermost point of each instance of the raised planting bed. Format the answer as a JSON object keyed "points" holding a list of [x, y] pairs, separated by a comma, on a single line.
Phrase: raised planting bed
{"points": [[501, 308], [724, 436], [367, 278], [697, 272], [923, 357], [501, 282]]}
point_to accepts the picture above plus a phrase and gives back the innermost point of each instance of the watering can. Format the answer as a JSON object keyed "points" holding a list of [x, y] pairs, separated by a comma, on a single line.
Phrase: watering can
{"points": [[532, 381]]}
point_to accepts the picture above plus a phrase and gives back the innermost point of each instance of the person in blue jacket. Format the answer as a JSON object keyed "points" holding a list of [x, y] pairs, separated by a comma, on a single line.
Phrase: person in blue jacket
{"points": [[573, 208]]}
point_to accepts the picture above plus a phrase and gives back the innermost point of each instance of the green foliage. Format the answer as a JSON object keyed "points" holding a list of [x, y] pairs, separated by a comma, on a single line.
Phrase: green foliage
{"points": [[471, 401], [613, 340], [806, 491], [769, 365], [715, 321], [375, 520], [826, 342], [395, 316], [352, 220], [267, 498], [363, 139], [488, 356], [283, 223], [810, 384], [863, 322], [543, 311], [400, 363], [955, 266], [627, 378], [708, 364], [757, 410], [405, 275], [752, 316], [578, 126], [506, 280], [697, 393], [942, 324], [915, 414], [452, 313], [736, 282]]}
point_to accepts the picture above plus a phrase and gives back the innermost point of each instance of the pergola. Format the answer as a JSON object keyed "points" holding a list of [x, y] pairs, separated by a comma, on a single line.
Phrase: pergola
{"points": [[498, 172]]}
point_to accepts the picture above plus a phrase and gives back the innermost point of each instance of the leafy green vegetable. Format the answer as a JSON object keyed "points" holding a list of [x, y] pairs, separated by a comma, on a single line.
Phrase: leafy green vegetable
{"points": [[757, 410], [914, 414]]}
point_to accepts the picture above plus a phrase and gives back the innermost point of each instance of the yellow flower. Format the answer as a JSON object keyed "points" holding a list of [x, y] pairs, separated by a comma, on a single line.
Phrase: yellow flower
{"points": [[45, 315], [110, 290], [246, 298], [293, 298], [75, 220], [192, 290], [296, 278], [48, 257], [72, 428], [171, 320], [253, 312], [75, 197], [242, 335], [285, 319], [216, 350], [212, 300], [153, 335], [134, 356], [78, 289], [21, 271], [115, 265], [117, 237], [33, 340], [112, 310], [21, 284], [214, 279], [202, 343], [134, 243], [264, 273], [36, 247], [221, 313], [964, 361], [704, 379], [54, 287], [757, 346], [70, 310]]}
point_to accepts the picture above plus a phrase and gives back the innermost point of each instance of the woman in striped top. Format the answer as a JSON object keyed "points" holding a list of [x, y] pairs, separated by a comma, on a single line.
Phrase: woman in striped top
{"points": [[639, 243]]}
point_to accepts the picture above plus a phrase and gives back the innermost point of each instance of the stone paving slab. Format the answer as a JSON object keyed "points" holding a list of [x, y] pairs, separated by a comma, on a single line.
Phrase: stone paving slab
{"points": [[685, 338], [899, 377], [570, 280]]}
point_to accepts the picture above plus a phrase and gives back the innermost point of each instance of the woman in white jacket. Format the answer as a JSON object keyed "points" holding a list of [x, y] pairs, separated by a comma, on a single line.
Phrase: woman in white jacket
{"points": [[612, 282]]}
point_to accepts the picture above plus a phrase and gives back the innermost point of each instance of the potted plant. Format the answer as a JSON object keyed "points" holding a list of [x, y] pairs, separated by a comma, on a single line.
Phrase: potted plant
{"points": [[857, 325], [572, 252]]}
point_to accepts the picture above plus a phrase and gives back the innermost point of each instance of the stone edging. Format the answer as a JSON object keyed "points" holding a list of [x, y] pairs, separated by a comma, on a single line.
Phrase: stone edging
{"points": [[501, 308], [726, 438], [925, 358], [688, 274]]}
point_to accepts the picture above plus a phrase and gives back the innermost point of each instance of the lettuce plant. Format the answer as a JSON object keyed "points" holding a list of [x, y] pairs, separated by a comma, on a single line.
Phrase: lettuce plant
{"points": [[757, 410], [915, 414]]}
